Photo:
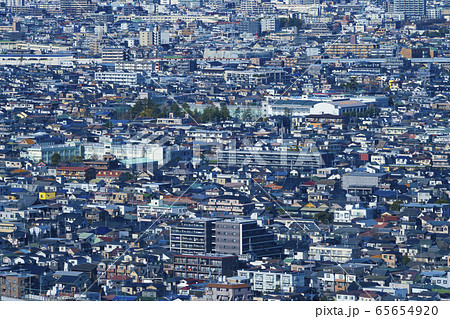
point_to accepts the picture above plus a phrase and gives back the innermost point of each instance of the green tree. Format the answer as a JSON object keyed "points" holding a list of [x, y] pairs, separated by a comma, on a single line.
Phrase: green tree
{"points": [[196, 115], [238, 113], [145, 108], [351, 85], [186, 108], [395, 206], [224, 112], [405, 260], [324, 217], [247, 116], [290, 22], [372, 111], [287, 112], [76, 159], [55, 159], [176, 110], [391, 101]]}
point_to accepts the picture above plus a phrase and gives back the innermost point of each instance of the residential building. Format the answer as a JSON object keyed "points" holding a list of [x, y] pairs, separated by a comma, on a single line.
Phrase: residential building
{"points": [[273, 281], [204, 266]]}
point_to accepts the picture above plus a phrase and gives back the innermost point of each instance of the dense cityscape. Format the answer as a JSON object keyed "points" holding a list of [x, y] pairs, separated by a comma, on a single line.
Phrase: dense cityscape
{"points": [[224, 150]]}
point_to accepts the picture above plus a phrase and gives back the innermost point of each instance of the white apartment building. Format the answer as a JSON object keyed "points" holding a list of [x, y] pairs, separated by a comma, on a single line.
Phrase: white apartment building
{"points": [[338, 254], [269, 281], [121, 78], [130, 150], [270, 24]]}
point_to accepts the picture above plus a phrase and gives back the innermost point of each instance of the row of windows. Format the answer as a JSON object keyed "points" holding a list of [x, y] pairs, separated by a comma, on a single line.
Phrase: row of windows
{"points": [[225, 226], [439, 281], [225, 233], [224, 239]]}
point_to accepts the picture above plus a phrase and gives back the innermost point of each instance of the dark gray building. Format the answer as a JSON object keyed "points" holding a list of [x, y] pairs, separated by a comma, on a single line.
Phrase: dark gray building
{"points": [[248, 26], [244, 236], [193, 236]]}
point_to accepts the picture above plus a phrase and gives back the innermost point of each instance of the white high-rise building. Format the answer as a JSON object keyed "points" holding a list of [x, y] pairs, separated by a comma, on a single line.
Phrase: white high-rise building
{"points": [[15, 3], [411, 8], [270, 25]]}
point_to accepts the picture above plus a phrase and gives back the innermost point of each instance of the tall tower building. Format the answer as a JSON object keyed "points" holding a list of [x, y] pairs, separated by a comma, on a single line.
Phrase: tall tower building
{"points": [[150, 37]]}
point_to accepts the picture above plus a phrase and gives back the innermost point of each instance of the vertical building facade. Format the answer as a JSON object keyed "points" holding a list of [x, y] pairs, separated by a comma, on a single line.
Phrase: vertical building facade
{"points": [[193, 236], [244, 236], [77, 6], [411, 8], [204, 266]]}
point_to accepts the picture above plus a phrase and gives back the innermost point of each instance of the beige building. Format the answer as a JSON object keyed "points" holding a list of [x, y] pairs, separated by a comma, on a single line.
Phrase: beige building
{"points": [[228, 292], [340, 49]]}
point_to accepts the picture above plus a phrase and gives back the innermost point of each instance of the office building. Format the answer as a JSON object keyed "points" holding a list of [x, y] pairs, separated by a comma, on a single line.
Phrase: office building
{"points": [[244, 236], [249, 26]]}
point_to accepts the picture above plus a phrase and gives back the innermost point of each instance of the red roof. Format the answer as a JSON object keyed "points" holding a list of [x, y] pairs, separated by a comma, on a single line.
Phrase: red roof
{"points": [[383, 225], [387, 219], [108, 297]]}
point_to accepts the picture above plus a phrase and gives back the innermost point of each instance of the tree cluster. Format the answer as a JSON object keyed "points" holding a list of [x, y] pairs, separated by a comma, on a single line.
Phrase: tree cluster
{"points": [[290, 22], [151, 109]]}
